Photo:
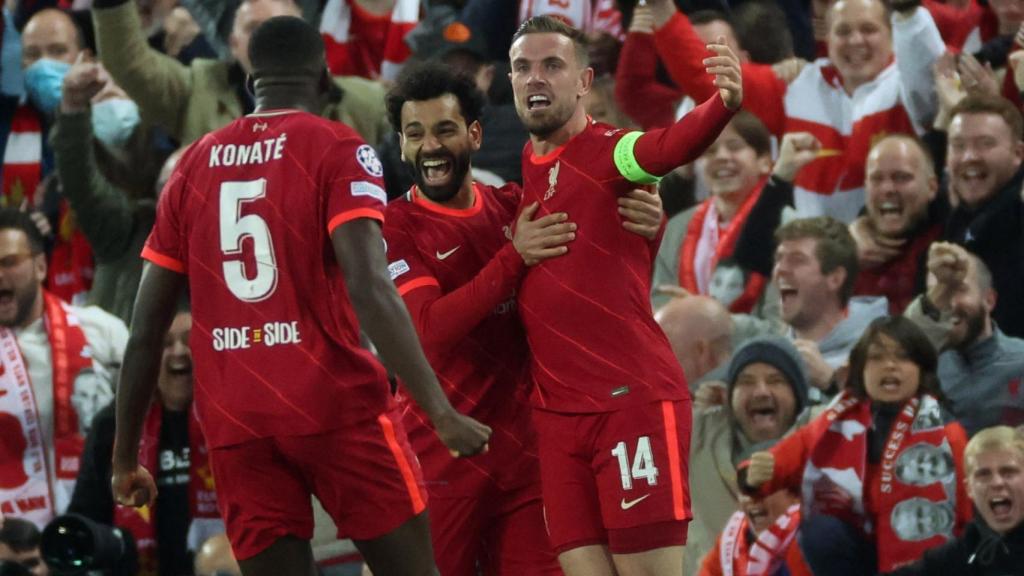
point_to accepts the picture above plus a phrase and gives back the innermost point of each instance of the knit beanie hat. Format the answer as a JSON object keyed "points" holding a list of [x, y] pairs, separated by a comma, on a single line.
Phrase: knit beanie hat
{"points": [[775, 351]]}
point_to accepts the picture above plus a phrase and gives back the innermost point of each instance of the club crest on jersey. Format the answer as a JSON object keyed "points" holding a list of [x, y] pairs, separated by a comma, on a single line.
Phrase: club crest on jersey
{"points": [[367, 158], [552, 180]]}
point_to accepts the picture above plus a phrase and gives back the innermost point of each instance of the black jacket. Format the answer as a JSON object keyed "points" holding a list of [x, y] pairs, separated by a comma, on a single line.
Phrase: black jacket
{"points": [[978, 552]]}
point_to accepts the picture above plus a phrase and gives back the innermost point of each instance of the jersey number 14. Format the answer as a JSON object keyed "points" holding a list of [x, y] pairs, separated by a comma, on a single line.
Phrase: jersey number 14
{"points": [[643, 463], [234, 229]]}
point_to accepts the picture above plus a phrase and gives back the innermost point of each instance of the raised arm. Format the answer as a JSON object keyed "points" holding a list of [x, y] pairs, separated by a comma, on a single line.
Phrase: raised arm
{"points": [[916, 46], [158, 83], [637, 91]]}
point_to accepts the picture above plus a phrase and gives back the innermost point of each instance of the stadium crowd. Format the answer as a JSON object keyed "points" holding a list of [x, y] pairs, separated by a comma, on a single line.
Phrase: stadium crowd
{"points": [[831, 266]]}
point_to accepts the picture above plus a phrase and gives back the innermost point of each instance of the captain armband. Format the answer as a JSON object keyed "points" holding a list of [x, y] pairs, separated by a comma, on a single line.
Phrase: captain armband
{"points": [[625, 161]]}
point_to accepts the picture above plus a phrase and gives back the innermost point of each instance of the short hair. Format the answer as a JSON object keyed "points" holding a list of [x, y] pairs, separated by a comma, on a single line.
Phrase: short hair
{"points": [[19, 534], [993, 438], [915, 344], [286, 46], [997, 105], [926, 155], [751, 19], [428, 80], [753, 132], [14, 219], [886, 12], [707, 16], [551, 25], [835, 247], [982, 273]]}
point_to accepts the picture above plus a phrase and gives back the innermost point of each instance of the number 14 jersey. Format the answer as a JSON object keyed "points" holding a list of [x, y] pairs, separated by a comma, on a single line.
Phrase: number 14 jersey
{"points": [[247, 215]]}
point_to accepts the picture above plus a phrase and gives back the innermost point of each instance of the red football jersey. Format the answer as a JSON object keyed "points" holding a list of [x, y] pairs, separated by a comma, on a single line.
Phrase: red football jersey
{"points": [[247, 216], [594, 342], [458, 271]]}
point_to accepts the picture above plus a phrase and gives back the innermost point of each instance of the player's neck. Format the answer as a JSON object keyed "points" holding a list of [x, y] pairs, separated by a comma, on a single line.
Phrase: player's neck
{"points": [[289, 98], [549, 143]]}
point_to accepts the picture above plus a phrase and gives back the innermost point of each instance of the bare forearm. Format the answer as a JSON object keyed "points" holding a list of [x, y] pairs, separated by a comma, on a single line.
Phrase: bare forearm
{"points": [[384, 318]]}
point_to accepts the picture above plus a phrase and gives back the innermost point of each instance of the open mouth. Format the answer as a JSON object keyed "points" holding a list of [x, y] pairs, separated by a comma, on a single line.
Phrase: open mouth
{"points": [[537, 102], [890, 384], [788, 294], [972, 174], [6, 297], [1001, 507], [890, 209], [436, 171], [763, 416]]}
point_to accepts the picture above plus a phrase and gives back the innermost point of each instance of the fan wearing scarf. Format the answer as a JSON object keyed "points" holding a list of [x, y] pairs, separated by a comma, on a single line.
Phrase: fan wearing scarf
{"points": [[760, 538], [993, 544], [881, 471], [45, 408], [173, 447], [697, 250]]}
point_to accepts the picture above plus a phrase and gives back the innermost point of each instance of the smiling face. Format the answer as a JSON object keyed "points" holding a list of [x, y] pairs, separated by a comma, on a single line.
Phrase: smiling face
{"points": [[437, 145], [859, 40], [732, 167], [890, 375], [21, 279], [175, 380], [899, 187], [996, 485], [548, 81], [806, 291], [982, 155], [762, 512], [763, 402]]}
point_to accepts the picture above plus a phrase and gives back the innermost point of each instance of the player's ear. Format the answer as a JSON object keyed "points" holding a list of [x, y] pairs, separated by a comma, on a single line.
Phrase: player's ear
{"points": [[250, 86], [476, 135], [586, 81]]}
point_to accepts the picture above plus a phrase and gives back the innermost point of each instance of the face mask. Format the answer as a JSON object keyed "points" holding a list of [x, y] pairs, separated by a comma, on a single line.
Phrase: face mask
{"points": [[114, 121], [43, 82]]}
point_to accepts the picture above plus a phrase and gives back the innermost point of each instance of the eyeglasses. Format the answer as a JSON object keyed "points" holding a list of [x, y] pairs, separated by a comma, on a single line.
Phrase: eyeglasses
{"points": [[14, 260]]}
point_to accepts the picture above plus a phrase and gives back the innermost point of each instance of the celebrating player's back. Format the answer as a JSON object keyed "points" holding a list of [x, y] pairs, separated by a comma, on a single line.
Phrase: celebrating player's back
{"points": [[275, 220]]}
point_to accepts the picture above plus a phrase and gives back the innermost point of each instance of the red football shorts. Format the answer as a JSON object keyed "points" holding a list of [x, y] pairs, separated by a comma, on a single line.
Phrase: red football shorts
{"points": [[495, 532], [365, 475], [616, 478]]}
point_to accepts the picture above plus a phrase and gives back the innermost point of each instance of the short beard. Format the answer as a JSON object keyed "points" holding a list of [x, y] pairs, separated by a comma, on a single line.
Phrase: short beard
{"points": [[25, 303], [441, 194], [975, 326]]}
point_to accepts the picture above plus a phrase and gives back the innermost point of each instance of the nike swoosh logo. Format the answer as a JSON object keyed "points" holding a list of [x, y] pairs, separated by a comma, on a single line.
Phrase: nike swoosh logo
{"points": [[627, 504], [443, 255]]}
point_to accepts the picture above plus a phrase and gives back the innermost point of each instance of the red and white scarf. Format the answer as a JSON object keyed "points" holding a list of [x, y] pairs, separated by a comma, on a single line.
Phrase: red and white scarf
{"points": [[349, 45], [766, 553], [70, 268], [28, 488], [202, 496], [706, 243], [833, 481]]}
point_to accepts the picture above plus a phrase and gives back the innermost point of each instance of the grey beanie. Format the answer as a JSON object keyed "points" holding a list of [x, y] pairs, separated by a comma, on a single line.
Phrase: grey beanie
{"points": [[775, 351]]}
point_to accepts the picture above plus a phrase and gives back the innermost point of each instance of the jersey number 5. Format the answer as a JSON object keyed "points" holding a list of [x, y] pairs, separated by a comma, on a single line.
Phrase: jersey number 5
{"points": [[234, 229], [643, 463]]}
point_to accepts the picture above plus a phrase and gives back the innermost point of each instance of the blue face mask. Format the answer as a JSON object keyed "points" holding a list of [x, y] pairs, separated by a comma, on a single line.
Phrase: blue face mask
{"points": [[43, 82], [114, 121]]}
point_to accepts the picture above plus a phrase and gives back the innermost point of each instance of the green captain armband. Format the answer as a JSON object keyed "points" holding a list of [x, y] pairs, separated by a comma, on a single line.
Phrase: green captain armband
{"points": [[626, 162]]}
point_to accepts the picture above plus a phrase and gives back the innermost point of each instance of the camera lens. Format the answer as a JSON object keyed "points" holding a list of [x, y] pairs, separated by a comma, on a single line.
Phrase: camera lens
{"points": [[68, 544]]}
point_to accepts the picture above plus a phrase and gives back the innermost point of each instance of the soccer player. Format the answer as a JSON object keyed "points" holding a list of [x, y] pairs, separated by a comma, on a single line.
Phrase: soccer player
{"points": [[611, 406], [457, 264], [275, 222]]}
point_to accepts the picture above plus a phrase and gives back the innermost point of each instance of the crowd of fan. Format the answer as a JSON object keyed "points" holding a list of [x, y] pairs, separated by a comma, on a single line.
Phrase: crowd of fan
{"points": [[846, 248]]}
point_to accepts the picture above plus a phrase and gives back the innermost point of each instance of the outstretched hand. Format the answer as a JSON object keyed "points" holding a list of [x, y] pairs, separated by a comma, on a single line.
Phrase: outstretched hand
{"points": [[725, 66]]}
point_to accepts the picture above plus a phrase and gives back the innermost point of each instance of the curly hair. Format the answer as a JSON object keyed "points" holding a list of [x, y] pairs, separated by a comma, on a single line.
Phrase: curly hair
{"points": [[428, 80]]}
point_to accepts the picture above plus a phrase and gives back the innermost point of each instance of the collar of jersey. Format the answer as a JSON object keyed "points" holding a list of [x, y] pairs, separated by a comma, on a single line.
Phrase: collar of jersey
{"points": [[534, 159], [478, 203]]}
